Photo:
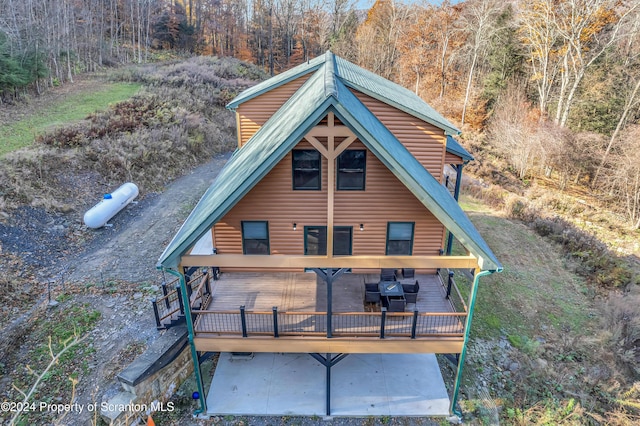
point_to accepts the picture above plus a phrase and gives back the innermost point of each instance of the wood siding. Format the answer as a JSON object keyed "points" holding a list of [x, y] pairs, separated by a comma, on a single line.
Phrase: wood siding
{"points": [[274, 200], [425, 141], [252, 114], [450, 158], [385, 199]]}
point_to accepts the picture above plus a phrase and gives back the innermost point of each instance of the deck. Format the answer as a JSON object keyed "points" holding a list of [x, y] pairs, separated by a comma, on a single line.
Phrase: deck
{"points": [[287, 312], [304, 292]]}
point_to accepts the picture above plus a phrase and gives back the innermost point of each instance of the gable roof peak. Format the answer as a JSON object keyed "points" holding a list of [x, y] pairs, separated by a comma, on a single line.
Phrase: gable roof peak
{"points": [[329, 68], [337, 68]]}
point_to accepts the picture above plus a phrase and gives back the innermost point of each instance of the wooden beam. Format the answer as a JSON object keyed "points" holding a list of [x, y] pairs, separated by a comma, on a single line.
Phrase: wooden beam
{"points": [[317, 145], [447, 345], [336, 131], [300, 261], [343, 145], [331, 183], [238, 129]]}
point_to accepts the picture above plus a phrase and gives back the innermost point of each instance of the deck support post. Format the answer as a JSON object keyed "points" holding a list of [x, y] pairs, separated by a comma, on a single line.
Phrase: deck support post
{"points": [[328, 362], [190, 332], [329, 276], [456, 195]]}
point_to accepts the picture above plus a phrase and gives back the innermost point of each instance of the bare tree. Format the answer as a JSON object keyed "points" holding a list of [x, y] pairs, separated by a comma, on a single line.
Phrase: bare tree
{"points": [[513, 130], [624, 175], [377, 38], [631, 69], [539, 37], [587, 28], [478, 22]]}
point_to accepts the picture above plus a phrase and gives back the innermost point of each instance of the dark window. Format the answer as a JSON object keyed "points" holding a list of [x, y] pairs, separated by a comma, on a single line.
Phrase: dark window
{"points": [[399, 238], [315, 240], [255, 237], [342, 237], [306, 169], [351, 169]]}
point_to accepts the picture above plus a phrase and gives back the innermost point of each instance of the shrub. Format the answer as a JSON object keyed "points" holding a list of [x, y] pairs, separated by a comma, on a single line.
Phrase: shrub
{"points": [[621, 321]]}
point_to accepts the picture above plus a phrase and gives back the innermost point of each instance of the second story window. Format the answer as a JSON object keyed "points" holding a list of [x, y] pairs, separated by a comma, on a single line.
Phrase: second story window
{"points": [[351, 170], [306, 169]]}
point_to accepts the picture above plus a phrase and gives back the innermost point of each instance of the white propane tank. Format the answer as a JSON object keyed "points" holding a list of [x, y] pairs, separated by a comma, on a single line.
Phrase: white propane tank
{"points": [[110, 205]]}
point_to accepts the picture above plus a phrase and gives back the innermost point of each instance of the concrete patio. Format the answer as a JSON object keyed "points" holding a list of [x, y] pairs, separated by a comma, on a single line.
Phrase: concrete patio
{"points": [[361, 385]]}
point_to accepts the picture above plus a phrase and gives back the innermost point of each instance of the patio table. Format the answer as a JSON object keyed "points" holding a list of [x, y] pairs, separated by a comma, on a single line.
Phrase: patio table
{"points": [[390, 288]]}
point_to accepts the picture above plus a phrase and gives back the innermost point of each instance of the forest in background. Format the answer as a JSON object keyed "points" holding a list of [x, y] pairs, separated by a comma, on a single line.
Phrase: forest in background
{"points": [[551, 86]]}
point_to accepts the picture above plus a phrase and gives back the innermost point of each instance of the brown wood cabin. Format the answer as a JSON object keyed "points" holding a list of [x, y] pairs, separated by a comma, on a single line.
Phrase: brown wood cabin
{"points": [[327, 146]]}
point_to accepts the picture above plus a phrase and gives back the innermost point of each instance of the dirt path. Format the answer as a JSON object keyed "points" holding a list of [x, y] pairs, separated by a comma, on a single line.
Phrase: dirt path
{"points": [[129, 248], [126, 253]]}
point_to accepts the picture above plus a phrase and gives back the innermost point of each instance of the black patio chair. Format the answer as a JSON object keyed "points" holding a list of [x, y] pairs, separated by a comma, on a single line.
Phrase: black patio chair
{"points": [[387, 274], [371, 293], [411, 292], [408, 273], [394, 304]]}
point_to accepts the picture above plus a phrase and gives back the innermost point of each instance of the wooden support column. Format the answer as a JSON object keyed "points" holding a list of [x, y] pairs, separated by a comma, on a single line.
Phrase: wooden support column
{"points": [[331, 153], [331, 184]]}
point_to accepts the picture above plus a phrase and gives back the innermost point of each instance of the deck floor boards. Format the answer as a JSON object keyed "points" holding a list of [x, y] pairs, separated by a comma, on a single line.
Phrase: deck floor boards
{"points": [[304, 292]]}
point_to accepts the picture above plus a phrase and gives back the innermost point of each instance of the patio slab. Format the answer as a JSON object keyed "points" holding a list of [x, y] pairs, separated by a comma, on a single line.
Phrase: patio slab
{"points": [[278, 384]]}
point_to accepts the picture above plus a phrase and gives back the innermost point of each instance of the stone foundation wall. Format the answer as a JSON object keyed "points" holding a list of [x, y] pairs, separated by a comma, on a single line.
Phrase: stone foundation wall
{"points": [[163, 384], [150, 380]]}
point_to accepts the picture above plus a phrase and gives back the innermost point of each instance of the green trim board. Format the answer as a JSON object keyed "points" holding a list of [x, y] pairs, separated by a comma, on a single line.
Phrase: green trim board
{"points": [[322, 93]]}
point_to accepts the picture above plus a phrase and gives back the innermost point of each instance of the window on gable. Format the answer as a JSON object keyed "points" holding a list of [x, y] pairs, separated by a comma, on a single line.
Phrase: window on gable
{"points": [[351, 170], [400, 238], [255, 237], [306, 169]]}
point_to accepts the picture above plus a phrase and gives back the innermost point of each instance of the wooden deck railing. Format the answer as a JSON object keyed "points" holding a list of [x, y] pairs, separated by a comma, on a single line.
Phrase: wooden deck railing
{"points": [[169, 306], [352, 324], [453, 292]]}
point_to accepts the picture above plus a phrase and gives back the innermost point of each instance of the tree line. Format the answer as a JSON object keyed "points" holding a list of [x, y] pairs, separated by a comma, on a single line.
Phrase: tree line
{"points": [[554, 83]]}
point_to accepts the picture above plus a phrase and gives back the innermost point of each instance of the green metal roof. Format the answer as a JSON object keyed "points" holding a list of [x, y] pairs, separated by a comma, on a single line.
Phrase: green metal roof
{"points": [[360, 79], [454, 147], [323, 92], [277, 81]]}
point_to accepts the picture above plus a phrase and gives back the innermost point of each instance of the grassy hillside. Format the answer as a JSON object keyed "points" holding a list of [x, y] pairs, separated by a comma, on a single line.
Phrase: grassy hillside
{"points": [[548, 346], [22, 132], [175, 121]]}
